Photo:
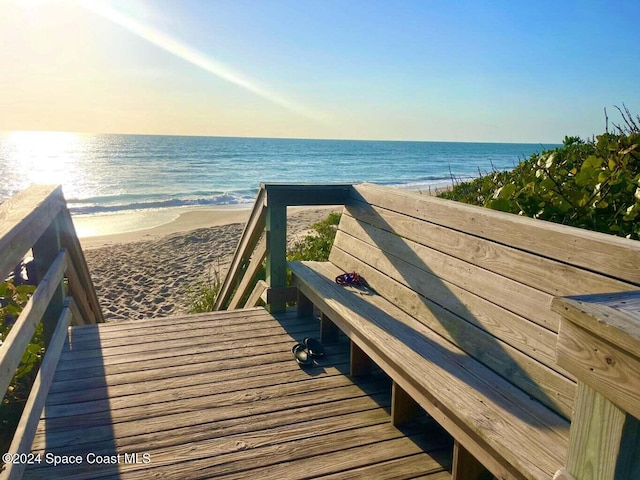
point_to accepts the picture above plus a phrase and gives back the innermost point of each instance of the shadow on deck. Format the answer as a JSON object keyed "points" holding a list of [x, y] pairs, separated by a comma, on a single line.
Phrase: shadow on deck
{"points": [[219, 395]]}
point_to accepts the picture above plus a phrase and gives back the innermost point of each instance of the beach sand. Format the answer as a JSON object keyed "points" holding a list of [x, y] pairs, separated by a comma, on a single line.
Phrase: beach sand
{"points": [[149, 272]]}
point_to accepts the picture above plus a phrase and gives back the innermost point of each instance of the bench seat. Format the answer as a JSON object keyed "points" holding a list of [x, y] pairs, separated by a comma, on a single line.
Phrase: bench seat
{"points": [[515, 436], [458, 314]]}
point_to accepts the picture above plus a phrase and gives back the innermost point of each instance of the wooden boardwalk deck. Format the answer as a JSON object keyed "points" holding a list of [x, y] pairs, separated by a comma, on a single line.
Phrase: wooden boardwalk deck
{"points": [[219, 396]]}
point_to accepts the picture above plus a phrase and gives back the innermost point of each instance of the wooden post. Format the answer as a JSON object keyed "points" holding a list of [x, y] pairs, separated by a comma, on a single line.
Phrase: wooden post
{"points": [[466, 467], [329, 331], [599, 343], [304, 306], [403, 407], [276, 266], [45, 250], [595, 437], [360, 361]]}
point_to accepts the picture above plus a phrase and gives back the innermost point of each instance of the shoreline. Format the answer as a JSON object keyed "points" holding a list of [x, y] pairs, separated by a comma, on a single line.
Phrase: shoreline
{"points": [[98, 230], [102, 229], [153, 272]]}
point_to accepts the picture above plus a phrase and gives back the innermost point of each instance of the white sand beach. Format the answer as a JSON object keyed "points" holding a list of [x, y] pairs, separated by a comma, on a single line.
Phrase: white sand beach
{"points": [[148, 272]]}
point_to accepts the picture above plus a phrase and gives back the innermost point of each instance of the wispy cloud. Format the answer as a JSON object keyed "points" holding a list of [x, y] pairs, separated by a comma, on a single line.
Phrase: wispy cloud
{"points": [[191, 55]]}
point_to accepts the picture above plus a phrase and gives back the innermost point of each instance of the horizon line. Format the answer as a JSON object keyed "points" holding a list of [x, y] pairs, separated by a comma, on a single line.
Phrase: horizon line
{"points": [[4, 132]]}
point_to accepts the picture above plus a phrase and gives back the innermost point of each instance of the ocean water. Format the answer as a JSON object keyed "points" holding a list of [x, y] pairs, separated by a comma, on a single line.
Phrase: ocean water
{"points": [[118, 173]]}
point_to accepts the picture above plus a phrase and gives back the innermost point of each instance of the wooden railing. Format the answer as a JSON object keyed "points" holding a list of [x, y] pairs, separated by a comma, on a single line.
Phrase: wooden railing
{"points": [[38, 220], [599, 343], [264, 240]]}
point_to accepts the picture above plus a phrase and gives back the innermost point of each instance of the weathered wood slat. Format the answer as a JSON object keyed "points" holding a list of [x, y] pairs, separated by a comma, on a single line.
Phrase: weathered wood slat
{"points": [[126, 328], [84, 291], [377, 311], [256, 295], [462, 299], [213, 458], [26, 429], [423, 466], [174, 332], [199, 336], [506, 260], [621, 311], [250, 236], [212, 400], [257, 259], [541, 381], [468, 402], [22, 331], [613, 256], [188, 368], [153, 380], [321, 457], [138, 361], [266, 358], [167, 389], [86, 436], [23, 219], [206, 425]]}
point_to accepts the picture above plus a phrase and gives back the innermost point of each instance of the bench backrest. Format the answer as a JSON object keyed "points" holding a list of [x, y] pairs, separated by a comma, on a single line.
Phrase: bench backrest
{"points": [[482, 279]]}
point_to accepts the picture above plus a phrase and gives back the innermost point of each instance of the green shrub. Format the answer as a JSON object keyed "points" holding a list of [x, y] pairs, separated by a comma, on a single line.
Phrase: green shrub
{"points": [[591, 184], [317, 245], [202, 298], [13, 299]]}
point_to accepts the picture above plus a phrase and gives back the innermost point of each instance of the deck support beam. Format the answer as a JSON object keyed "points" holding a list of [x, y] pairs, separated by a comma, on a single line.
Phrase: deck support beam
{"points": [[329, 331], [466, 466], [360, 361], [403, 407], [304, 306]]}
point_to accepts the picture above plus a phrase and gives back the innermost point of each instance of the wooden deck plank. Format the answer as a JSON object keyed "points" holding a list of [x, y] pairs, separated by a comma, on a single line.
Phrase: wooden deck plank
{"points": [[178, 329], [252, 399], [125, 327], [427, 466], [159, 335], [191, 365], [136, 361], [234, 404]]}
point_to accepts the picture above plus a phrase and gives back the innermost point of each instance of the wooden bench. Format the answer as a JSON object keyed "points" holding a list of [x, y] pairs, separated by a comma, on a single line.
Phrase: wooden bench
{"points": [[458, 314]]}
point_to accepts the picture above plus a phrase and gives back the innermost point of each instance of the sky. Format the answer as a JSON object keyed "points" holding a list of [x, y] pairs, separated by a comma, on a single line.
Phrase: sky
{"points": [[492, 71]]}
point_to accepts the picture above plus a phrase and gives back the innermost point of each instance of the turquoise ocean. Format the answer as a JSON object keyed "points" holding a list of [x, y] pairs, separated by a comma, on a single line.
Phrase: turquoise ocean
{"points": [[119, 173]]}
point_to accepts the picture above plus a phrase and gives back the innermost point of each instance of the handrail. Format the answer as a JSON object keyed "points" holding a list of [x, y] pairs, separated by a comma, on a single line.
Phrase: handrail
{"points": [[40, 212], [268, 218], [37, 219], [250, 235], [28, 425], [20, 335], [599, 343]]}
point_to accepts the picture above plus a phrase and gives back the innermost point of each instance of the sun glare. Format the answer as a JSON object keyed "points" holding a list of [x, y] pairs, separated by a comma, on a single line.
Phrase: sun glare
{"points": [[42, 157], [189, 54]]}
